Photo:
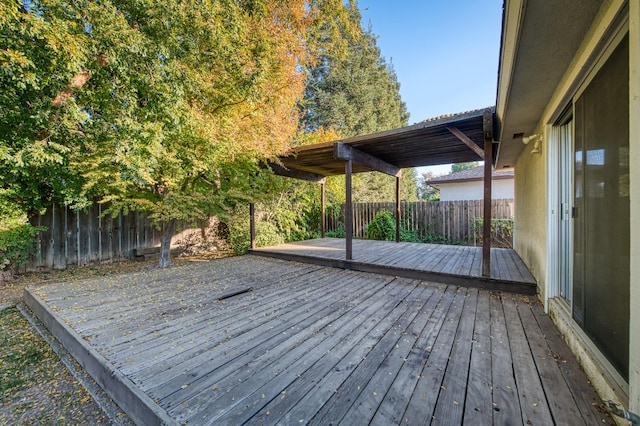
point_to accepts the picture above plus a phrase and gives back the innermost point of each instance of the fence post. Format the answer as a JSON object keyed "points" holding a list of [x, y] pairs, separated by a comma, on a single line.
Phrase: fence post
{"points": [[397, 209], [252, 225], [348, 214], [323, 225]]}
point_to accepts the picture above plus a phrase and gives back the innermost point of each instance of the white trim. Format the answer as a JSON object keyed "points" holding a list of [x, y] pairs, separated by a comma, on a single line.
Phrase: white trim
{"points": [[553, 218], [512, 25]]}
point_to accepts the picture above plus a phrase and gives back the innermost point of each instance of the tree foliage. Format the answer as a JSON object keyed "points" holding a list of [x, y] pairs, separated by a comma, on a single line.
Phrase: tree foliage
{"points": [[164, 107], [355, 94], [459, 167], [426, 191]]}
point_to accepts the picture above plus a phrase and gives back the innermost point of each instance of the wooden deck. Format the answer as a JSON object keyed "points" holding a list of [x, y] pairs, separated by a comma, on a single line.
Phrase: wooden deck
{"points": [[459, 265], [315, 345]]}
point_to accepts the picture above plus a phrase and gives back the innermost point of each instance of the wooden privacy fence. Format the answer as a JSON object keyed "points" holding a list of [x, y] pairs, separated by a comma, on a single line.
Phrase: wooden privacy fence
{"points": [[446, 221], [81, 237]]}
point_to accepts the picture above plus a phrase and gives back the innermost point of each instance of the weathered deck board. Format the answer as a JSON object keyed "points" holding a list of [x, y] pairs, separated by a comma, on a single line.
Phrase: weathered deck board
{"points": [[506, 405], [238, 321], [317, 345], [397, 398], [548, 369], [449, 411], [586, 400], [533, 405], [478, 408], [459, 265]]}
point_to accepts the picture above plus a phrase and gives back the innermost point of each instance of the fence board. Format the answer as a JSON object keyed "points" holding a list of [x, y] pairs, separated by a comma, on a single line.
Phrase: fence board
{"points": [[447, 221], [78, 238]]}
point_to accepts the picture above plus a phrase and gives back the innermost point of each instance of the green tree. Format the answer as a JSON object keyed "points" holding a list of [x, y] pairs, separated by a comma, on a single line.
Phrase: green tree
{"points": [[163, 107], [426, 191], [355, 94], [459, 167], [42, 63], [372, 187]]}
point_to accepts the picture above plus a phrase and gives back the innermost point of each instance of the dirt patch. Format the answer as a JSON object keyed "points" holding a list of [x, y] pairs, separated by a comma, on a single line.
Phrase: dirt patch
{"points": [[35, 388]]}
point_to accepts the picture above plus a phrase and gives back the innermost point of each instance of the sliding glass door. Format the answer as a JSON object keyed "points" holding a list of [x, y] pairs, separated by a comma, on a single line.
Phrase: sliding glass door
{"points": [[601, 208]]}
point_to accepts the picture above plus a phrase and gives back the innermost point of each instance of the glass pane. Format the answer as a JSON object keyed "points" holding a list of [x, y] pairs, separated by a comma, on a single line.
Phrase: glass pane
{"points": [[601, 258]]}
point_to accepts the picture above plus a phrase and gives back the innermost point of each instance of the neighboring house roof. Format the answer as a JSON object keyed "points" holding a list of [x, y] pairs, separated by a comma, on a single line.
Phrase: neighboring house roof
{"points": [[475, 174]]}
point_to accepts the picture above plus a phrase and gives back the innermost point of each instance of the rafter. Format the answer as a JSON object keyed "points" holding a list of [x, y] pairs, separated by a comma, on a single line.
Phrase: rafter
{"points": [[297, 174], [346, 152], [467, 141]]}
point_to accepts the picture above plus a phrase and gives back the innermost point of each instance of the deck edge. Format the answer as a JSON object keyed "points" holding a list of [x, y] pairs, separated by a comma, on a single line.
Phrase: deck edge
{"points": [[138, 406], [459, 280]]}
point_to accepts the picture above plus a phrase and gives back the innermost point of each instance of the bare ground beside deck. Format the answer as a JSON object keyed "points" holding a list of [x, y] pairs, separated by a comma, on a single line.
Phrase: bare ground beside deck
{"points": [[317, 345]]}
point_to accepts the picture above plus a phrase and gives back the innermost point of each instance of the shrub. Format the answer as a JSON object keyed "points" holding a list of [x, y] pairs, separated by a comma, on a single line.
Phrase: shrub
{"points": [[409, 236], [267, 234], [339, 232], [501, 232], [16, 242], [239, 239], [382, 227]]}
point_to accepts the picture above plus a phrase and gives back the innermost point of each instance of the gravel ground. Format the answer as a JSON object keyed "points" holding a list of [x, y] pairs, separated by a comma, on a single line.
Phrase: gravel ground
{"points": [[39, 382]]}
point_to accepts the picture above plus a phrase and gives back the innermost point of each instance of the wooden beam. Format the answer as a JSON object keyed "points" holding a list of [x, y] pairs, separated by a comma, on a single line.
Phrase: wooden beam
{"points": [[397, 210], [296, 174], [347, 152], [348, 210], [467, 141], [487, 131], [487, 125], [486, 224]]}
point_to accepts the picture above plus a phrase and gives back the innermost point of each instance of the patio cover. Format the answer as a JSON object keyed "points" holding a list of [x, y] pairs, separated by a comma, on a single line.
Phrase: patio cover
{"points": [[456, 138]]}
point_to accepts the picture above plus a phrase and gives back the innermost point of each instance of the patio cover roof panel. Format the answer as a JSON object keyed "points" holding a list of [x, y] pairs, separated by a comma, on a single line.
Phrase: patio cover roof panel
{"points": [[424, 144]]}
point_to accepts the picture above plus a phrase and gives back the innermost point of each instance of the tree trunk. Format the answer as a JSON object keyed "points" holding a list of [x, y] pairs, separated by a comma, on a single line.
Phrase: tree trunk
{"points": [[168, 228], [6, 276]]}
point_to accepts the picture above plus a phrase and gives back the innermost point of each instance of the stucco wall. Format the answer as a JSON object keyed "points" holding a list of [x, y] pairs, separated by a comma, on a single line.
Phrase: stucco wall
{"points": [[500, 189], [530, 218]]}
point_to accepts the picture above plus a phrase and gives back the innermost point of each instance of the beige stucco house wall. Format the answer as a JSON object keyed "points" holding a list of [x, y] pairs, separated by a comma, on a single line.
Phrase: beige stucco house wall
{"points": [[548, 51], [531, 246]]}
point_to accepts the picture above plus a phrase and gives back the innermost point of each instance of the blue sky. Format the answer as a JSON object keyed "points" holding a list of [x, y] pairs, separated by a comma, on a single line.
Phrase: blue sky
{"points": [[444, 52]]}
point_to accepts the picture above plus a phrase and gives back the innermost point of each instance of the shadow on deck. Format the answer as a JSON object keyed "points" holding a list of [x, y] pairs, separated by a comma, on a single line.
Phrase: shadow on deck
{"points": [[458, 265]]}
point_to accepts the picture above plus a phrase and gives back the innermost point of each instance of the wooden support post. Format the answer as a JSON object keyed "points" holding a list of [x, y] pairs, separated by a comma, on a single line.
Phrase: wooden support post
{"points": [[398, 209], [323, 214], [486, 223], [252, 225], [348, 209]]}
